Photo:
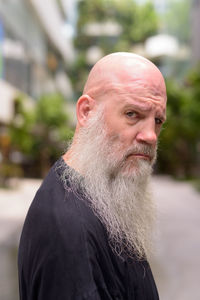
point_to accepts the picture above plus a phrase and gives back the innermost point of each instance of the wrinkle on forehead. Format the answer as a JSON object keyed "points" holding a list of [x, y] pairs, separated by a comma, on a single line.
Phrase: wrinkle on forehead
{"points": [[135, 89], [146, 104], [143, 99]]}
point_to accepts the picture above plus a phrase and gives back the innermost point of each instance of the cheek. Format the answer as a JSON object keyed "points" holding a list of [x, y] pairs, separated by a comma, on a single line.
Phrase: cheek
{"points": [[123, 137], [118, 131], [120, 142], [113, 122], [127, 137]]}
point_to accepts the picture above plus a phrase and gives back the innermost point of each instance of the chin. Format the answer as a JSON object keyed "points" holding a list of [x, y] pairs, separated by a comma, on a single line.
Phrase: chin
{"points": [[136, 167], [130, 168]]}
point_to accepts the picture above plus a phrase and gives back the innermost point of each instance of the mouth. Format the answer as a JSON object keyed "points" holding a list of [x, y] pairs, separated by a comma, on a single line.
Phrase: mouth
{"points": [[139, 155]]}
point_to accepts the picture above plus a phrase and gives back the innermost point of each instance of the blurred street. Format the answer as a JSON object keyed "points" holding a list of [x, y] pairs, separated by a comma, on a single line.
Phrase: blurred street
{"points": [[176, 266], [13, 207], [176, 263]]}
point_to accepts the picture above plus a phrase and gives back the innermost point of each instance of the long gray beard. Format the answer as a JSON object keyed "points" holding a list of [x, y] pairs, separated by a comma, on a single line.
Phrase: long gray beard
{"points": [[119, 196]]}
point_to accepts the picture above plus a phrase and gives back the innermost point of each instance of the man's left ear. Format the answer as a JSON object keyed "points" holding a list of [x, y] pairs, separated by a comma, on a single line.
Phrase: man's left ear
{"points": [[84, 107]]}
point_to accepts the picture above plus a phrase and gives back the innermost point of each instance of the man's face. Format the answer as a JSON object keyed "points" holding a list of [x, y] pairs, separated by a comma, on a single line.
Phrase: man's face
{"points": [[133, 120]]}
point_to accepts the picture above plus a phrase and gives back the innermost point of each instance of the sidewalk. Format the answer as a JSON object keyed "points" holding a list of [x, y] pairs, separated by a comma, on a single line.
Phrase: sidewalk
{"points": [[176, 264], [14, 205]]}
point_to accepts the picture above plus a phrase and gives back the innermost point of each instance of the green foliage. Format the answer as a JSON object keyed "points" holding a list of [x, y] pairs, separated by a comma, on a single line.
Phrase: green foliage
{"points": [[177, 19], [40, 133], [137, 21], [21, 125], [143, 25], [179, 140], [51, 124], [49, 111]]}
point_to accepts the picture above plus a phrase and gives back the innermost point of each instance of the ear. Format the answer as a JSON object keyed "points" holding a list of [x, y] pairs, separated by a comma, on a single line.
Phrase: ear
{"points": [[84, 107]]}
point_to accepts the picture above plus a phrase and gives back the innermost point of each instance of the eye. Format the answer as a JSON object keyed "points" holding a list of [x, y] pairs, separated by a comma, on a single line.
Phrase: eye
{"points": [[158, 121], [130, 114]]}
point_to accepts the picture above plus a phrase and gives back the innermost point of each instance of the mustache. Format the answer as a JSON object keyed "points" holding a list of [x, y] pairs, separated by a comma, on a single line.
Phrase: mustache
{"points": [[142, 149]]}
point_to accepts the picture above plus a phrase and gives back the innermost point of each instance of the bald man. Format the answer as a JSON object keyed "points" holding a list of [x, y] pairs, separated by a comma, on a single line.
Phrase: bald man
{"points": [[88, 232]]}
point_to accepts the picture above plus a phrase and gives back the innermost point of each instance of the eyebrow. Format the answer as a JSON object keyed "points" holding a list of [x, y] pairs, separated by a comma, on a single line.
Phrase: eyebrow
{"points": [[140, 106], [143, 107]]}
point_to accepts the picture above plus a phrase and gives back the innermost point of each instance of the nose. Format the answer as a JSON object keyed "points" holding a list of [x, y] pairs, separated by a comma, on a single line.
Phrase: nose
{"points": [[147, 133]]}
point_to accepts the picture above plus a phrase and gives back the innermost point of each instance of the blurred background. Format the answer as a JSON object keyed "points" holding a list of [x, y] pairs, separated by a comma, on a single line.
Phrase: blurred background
{"points": [[46, 51]]}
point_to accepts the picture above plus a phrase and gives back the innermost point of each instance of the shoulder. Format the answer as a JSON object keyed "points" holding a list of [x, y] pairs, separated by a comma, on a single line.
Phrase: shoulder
{"points": [[56, 239], [57, 213]]}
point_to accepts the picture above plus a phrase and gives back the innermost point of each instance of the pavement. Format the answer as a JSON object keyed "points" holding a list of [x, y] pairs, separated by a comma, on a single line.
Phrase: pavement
{"points": [[175, 264], [14, 205]]}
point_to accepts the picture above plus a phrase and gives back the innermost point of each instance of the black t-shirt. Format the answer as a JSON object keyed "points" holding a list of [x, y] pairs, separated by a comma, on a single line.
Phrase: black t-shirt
{"points": [[64, 252]]}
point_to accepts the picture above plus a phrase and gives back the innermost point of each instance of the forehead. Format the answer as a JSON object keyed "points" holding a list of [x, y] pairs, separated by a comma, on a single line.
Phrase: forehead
{"points": [[144, 94], [143, 104]]}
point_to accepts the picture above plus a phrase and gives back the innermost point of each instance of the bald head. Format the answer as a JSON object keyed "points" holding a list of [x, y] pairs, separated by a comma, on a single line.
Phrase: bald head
{"points": [[122, 68]]}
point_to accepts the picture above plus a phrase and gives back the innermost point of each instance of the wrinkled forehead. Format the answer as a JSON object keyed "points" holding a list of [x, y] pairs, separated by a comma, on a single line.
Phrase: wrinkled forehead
{"points": [[135, 89], [128, 78], [145, 76], [144, 96]]}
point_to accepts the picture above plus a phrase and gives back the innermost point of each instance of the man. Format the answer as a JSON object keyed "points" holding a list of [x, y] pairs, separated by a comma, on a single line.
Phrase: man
{"points": [[87, 234]]}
